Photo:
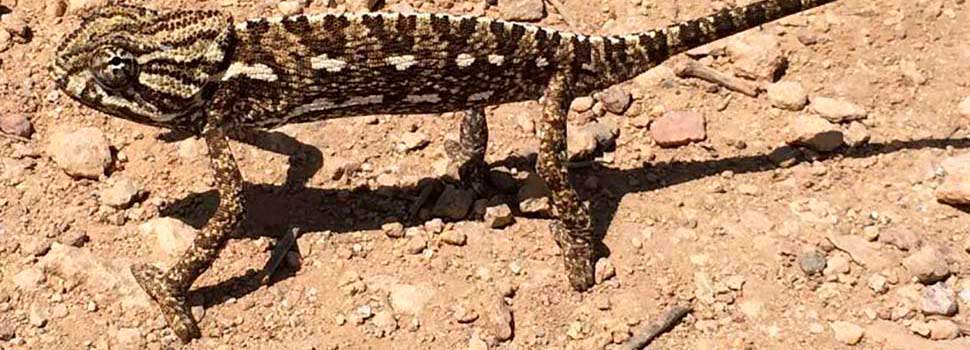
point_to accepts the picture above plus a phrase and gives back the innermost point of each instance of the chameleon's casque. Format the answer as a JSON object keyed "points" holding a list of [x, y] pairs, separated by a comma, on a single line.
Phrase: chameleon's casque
{"points": [[142, 65]]}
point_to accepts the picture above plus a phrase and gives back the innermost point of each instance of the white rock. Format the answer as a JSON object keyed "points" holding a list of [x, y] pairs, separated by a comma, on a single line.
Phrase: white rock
{"points": [[788, 95], [83, 153], [837, 111]]}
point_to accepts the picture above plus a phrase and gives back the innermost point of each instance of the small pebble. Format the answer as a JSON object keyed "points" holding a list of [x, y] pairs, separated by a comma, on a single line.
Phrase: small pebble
{"points": [[416, 244], [454, 237], [812, 262]]}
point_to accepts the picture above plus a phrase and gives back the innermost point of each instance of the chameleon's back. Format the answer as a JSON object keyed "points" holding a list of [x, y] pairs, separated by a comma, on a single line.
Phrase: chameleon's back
{"points": [[305, 68]]}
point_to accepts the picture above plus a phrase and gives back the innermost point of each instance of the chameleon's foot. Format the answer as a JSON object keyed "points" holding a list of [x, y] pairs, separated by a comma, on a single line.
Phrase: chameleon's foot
{"points": [[170, 300], [471, 172], [578, 257]]}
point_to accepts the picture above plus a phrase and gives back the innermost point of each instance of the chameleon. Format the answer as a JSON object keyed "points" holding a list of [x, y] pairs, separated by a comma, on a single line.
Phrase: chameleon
{"points": [[198, 71]]}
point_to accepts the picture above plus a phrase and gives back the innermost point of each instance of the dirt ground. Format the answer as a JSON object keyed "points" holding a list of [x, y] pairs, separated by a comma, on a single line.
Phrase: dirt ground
{"points": [[716, 224]]}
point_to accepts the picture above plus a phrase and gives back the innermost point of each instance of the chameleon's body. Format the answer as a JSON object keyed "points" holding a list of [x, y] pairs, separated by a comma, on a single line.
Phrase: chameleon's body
{"points": [[198, 71]]}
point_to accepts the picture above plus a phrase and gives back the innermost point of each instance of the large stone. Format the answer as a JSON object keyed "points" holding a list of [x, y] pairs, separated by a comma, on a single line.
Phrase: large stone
{"points": [[678, 129], [616, 100], [585, 141], [815, 133], [499, 322], [121, 192], [16, 124], [80, 266], [499, 216], [928, 265], [83, 153], [938, 299], [757, 56], [788, 95], [837, 111]]}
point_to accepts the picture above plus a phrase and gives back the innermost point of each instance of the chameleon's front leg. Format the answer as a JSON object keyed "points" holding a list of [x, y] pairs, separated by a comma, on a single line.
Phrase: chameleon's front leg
{"points": [[169, 288], [469, 152], [573, 229]]}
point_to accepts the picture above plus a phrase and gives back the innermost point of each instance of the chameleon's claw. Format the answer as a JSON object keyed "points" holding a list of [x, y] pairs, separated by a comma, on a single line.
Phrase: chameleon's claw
{"points": [[172, 302]]}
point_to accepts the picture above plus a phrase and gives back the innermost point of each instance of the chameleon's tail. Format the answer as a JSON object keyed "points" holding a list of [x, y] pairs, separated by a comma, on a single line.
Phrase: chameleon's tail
{"points": [[619, 58]]}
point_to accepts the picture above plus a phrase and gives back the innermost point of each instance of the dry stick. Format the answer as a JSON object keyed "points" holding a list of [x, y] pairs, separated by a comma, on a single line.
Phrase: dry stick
{"points": [[689, 68], [15, 137], [282, 248], [671, 318]]}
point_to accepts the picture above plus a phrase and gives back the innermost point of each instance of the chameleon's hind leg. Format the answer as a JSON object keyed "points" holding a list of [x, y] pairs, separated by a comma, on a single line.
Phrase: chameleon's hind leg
{"points": [[572, 230], [469, 152], [169, 288]]}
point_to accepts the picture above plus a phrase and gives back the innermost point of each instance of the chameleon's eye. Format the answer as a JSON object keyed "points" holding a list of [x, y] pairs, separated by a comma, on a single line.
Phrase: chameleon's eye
{"points": [[114, 67]]}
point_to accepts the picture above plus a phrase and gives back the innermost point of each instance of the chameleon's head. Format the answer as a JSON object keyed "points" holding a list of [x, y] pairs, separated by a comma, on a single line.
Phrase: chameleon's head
{"points": [[150, 67]]}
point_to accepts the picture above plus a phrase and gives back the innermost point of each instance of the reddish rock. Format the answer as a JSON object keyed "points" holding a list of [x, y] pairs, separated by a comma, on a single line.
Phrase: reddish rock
{"points": [[16, 124], [678, 129]]}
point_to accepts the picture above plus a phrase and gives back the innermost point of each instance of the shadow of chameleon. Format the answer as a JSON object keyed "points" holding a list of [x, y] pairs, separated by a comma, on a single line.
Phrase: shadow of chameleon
{"points": [[274, 210]]}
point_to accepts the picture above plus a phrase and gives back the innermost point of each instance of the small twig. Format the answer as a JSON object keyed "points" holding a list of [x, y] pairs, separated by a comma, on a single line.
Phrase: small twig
{"points": [[15, 137], [565, 17], [689, 68], [282, 248], [670, 319]]}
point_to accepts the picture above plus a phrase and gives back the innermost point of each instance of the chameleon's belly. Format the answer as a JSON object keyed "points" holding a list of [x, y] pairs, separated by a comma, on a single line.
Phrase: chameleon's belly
{"points": [[300, 69]]}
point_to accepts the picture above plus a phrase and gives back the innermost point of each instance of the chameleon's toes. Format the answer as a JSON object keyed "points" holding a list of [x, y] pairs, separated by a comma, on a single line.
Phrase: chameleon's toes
{"points": [[169, 300], [578, 258]]}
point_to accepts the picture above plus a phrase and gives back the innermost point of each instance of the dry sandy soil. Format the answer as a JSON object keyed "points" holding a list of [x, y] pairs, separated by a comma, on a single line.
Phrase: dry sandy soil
{"points": [[716, 224]]}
